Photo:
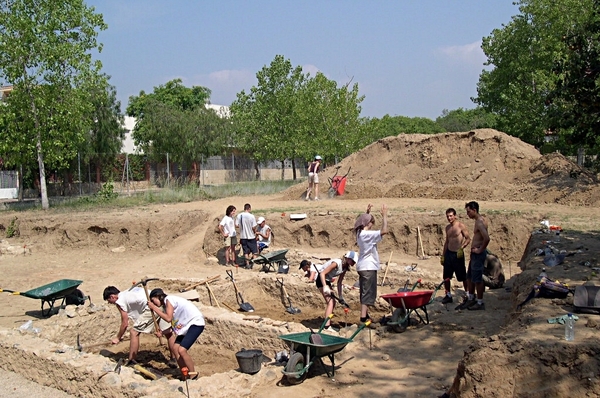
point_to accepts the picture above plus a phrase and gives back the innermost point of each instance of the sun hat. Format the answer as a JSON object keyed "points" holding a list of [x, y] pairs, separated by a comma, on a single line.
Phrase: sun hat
{"points": [[352, 255], [260, 220], [363, 220], [317, 157]]}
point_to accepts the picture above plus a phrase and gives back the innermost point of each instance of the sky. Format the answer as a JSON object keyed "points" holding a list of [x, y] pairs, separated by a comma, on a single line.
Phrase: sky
{"points": [[409, 58]]}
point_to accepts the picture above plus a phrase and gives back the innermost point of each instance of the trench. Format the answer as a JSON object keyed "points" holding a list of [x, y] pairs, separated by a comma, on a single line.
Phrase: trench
{"points": [[230, 331]]}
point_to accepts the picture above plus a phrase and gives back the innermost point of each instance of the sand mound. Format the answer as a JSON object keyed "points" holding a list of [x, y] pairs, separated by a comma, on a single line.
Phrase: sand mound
{"points": [[482, 164]]}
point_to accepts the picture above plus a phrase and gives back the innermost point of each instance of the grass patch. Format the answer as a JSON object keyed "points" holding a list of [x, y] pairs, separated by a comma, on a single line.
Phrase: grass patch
{"points": [[107, 199]]}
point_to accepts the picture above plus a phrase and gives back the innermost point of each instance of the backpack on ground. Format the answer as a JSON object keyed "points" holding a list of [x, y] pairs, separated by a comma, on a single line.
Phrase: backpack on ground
{"points": [[587, 299], [547, 288]]}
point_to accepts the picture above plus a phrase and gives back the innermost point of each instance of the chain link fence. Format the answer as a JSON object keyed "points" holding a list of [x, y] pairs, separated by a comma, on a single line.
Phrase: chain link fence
{"points": [[131, 173]]}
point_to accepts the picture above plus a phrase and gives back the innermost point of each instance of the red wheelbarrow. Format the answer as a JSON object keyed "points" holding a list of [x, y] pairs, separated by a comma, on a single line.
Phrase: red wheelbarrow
{"points": [[337, 184], [407, 303]]}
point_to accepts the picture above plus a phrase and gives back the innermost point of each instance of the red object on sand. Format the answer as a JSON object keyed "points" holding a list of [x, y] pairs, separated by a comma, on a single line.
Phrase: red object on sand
{"points": [[411, 300], [338, 183]]}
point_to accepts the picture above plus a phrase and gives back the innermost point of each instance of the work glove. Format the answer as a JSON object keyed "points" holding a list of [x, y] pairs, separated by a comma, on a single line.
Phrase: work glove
{"points": [[326, 290], [460, 253], [441, 260]]}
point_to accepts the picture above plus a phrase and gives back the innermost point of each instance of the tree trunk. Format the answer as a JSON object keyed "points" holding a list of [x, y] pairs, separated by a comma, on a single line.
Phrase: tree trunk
{"points": [[282, 170], [40, 159], [257, 177], [98, 173], [294, 169]]}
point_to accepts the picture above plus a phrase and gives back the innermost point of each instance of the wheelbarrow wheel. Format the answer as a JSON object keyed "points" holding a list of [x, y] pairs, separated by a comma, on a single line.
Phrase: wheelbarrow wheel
{"points": [[398, 317], [296, 364], [331, 193]]}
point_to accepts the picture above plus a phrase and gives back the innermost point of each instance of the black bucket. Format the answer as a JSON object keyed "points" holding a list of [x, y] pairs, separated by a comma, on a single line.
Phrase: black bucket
{"points": [[249, 360]]}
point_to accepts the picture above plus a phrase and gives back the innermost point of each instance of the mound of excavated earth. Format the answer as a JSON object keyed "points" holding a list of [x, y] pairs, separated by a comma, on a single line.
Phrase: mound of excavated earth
{"points": [[481, 164]]}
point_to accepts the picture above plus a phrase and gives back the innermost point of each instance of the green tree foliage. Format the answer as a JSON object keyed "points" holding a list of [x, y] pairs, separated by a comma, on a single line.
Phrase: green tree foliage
{"points": [[45, 53], [575, 101], [173, 119], [466, 119], [291, 115], [106, 135], [523, 54], [375, 129]]}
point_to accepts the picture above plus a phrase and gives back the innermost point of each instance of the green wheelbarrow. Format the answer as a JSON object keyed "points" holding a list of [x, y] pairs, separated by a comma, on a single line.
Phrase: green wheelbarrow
{"points": [[305, 351], [65, 289]]}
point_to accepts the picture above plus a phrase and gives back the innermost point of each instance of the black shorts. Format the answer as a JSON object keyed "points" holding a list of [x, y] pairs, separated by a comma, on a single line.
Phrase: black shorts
{"points": [[249, 246], [320, 285], [186, 340], [454, 265]]}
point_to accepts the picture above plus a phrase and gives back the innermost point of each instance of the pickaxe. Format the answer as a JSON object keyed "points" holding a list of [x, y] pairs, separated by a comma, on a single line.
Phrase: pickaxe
{"points": [[144, 282]]}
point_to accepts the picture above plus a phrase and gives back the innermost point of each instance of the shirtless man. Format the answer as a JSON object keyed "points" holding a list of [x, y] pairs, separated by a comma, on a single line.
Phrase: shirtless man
{"points": [[481, 239], [453, 258]]}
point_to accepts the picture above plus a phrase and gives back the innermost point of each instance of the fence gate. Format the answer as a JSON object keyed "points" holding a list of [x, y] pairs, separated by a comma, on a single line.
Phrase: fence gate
{"points": [[9, 184]]}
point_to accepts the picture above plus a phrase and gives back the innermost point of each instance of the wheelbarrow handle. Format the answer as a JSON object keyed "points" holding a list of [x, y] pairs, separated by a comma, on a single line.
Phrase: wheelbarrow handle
{"points": [[324, 322], [361, 327]]}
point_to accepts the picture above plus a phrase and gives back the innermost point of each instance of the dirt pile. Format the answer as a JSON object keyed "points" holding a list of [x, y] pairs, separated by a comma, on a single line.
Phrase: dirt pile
{"points": [[482, 164]]}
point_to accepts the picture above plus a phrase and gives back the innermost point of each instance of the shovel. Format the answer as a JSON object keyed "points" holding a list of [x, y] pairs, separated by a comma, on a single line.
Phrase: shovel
{"points": [[292, 310], [246, 307]]}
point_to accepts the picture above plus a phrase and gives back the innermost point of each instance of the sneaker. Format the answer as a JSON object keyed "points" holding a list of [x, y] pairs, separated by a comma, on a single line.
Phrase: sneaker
{"points": [[476, 307], [331, 329], [317, 199], [465, 304], [306, 199], [172, 363], [447, 299]]}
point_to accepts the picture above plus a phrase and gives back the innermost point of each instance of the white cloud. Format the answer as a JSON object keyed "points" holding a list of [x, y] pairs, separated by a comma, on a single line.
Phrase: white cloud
{"points": [[310, 69], [468, 53]]}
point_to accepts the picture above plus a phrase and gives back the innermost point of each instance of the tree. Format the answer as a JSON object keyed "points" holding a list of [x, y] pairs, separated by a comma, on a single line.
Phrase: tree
{"points": [[466, 119], [290, 115], [387, 126], [106, 135], [575, 102], [45, 53], [523, 54], [174, 119]]}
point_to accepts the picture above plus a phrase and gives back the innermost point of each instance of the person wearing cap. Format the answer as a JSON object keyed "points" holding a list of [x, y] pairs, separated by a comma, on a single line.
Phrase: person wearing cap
{"points": [[313, 178], [328, 272], [132, 304], [368, 259], [187, 323], [310, 270], [263, 234]]}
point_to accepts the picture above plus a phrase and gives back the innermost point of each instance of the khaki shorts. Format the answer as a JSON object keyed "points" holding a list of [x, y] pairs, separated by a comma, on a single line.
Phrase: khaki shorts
{"points": [[313, 178], [231, 241], [145, 324]]}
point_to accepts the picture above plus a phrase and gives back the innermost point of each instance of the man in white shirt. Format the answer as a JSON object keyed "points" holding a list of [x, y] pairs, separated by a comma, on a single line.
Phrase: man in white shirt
{"points": [[247, 224]]}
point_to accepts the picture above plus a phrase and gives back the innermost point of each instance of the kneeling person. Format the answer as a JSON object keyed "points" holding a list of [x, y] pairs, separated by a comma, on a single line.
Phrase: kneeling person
{"points": [[493, 274]]}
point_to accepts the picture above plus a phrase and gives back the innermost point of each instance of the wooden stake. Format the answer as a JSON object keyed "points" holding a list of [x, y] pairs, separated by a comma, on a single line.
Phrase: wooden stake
{"points": [[420, 243], [386, 269], [211, 294], [200, 283]]}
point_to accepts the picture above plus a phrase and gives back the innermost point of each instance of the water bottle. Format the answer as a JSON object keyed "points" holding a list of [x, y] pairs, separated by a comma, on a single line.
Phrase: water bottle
{"points": [[543, 274], [557, 237], [570, 328]]}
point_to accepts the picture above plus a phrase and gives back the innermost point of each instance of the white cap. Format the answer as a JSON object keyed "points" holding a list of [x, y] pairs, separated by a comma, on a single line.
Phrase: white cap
{"points": [[352, 255], [260, 220], [317, 157]]}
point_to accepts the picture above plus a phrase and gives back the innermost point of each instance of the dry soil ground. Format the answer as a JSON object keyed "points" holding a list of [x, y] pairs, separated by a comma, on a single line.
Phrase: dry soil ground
{"points": [[498, 352]]}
